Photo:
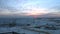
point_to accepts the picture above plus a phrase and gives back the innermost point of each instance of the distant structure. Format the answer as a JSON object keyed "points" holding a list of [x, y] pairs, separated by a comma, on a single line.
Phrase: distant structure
{"points": [[10, 33]]}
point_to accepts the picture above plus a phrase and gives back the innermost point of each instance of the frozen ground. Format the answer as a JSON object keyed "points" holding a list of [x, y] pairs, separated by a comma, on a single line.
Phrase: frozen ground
{"points": [[28, 30], [37, 26]]}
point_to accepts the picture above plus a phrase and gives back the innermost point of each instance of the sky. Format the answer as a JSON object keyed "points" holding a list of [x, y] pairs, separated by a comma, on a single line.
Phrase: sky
{"points": [[29, 7]]}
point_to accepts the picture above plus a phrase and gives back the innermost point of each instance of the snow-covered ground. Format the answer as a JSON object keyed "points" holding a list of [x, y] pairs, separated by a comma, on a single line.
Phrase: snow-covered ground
{"points": [[28, 30], [37, 26]]}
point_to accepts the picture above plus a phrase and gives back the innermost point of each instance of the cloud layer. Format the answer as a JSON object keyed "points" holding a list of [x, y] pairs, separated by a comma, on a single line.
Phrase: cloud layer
{"points": [[9, 7]]}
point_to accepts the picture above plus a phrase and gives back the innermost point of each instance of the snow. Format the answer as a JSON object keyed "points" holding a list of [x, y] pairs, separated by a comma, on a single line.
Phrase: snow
{"points": [[30, 29]]}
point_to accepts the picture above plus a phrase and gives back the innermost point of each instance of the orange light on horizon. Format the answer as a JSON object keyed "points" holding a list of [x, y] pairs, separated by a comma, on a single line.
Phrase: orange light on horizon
{"points": [[36, 11]]}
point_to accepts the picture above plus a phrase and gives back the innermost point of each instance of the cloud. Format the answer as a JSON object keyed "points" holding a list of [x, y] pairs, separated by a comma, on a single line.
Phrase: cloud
{"points": [[9, 7], [55, 9]]}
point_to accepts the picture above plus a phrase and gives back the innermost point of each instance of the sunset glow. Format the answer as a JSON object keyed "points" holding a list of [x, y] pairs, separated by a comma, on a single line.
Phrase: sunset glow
{"points": [[37, 11]]}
